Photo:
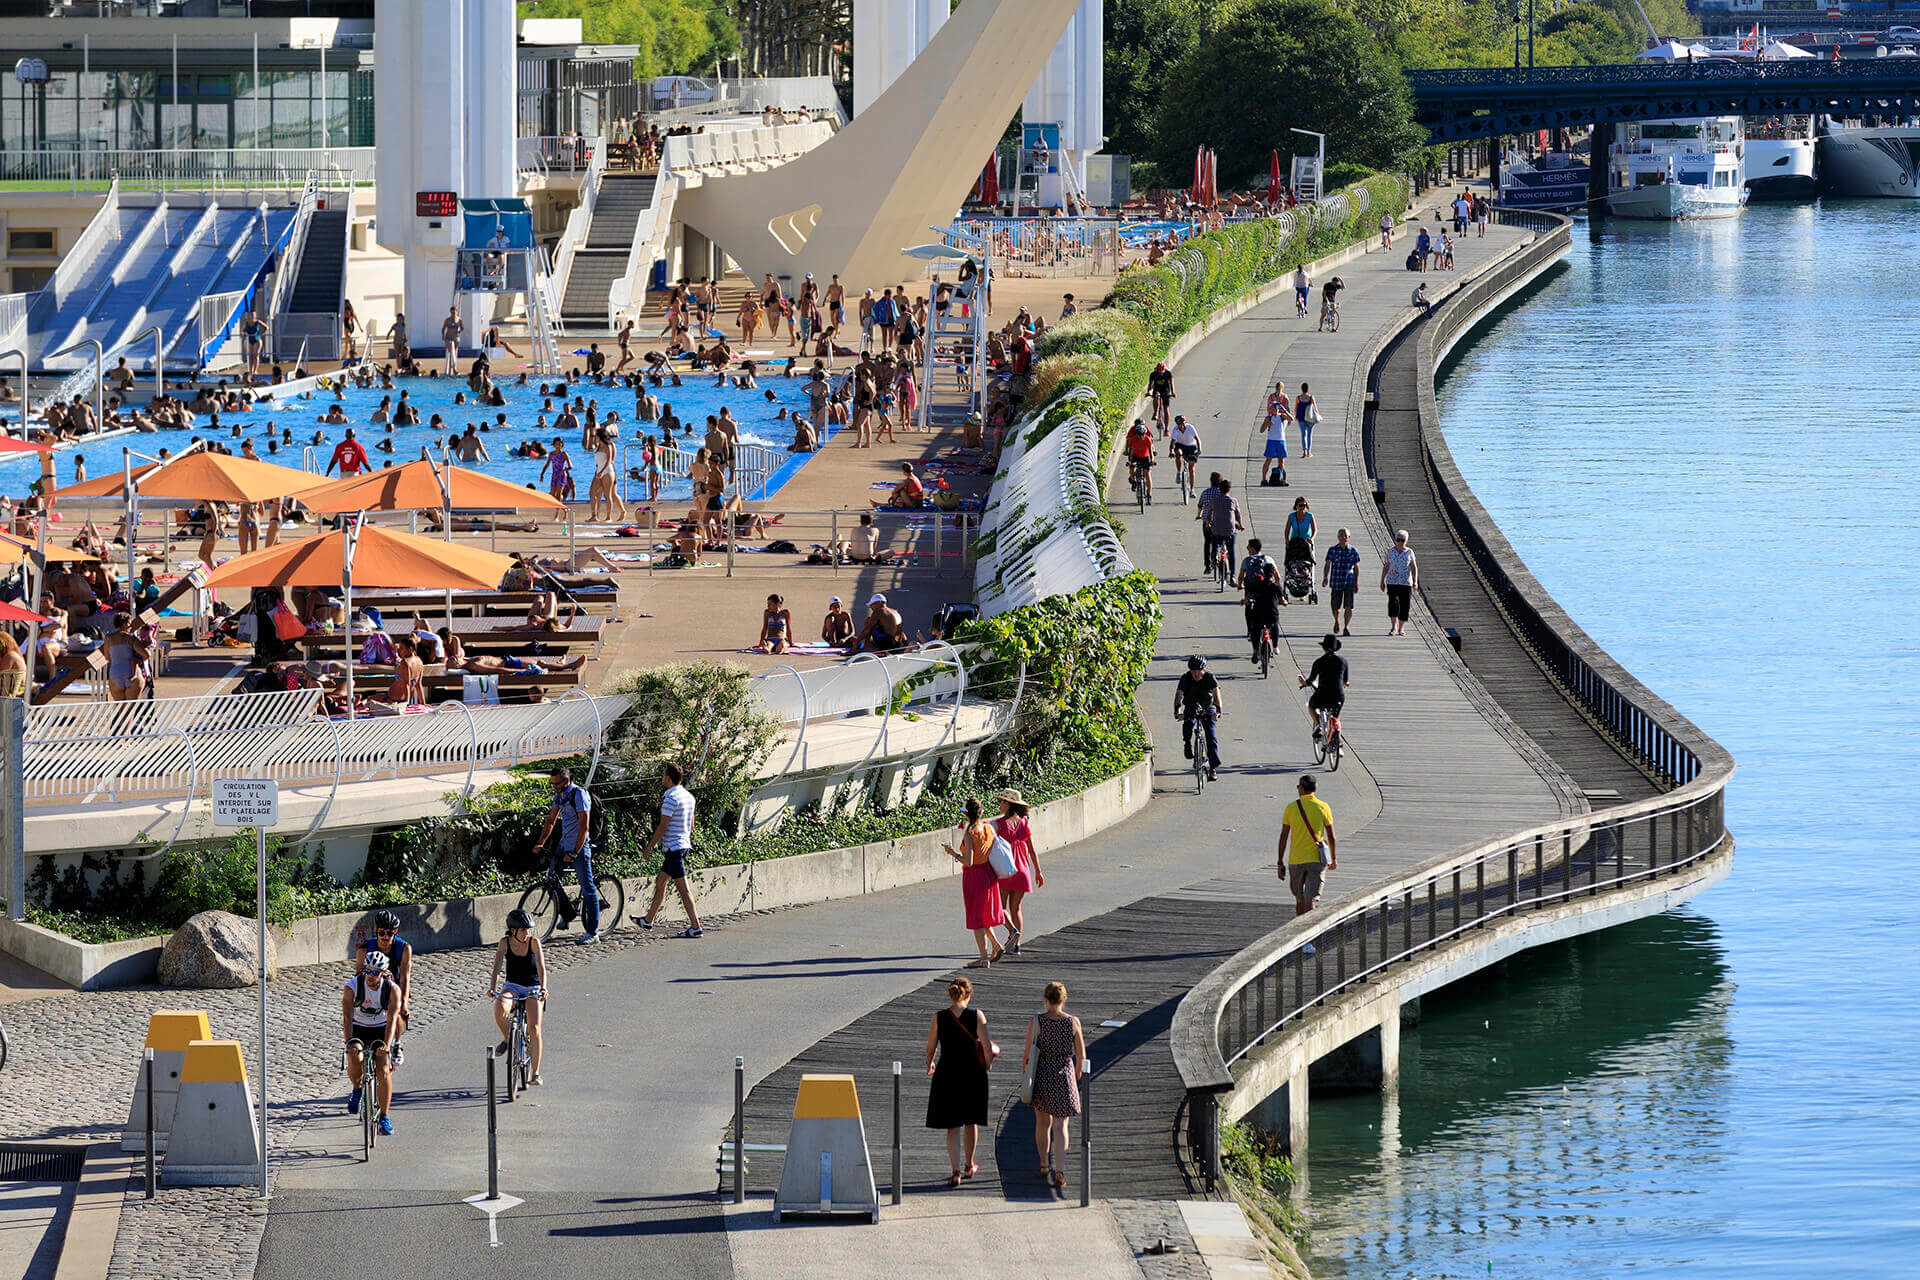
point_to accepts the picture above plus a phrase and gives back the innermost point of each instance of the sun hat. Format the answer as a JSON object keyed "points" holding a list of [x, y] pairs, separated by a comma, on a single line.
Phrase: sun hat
{"points": [[1330, 642], [1011, 795]]}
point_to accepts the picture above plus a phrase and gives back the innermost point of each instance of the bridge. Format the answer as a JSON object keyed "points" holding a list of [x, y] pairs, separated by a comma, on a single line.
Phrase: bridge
{"points": [[1462, 106]]}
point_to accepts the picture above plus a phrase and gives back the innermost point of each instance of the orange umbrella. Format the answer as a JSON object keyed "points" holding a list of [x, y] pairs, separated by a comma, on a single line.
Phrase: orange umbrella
{"points": [[374, 557], [201, 476], [417, 487], [366, 554], [10, 445], [14, 551]]}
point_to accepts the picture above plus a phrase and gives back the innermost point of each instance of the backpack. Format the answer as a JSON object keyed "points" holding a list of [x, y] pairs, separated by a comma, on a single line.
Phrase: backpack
{"points": [[596, 820], [782, 547]]}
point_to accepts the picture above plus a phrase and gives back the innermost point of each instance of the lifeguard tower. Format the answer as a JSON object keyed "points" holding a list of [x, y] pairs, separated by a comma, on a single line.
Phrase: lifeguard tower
{"points": [[498, 257]]}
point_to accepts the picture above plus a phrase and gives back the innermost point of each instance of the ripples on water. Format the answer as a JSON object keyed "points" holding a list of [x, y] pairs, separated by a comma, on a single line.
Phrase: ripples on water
{"points": [[1702, 438]]}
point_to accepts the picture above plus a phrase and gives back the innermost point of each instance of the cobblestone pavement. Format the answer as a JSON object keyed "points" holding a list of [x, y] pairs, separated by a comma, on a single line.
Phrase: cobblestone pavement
{"points": [[1145, 1221], [73, 1058]]}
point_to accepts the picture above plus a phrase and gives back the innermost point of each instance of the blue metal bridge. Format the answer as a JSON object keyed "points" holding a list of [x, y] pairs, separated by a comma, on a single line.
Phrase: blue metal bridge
{"points": [[1461, 106]]}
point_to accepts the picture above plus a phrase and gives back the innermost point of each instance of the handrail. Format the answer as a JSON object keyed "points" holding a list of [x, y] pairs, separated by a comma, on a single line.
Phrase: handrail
{"points": [[579, 220], [295, 250], [1819, 73], [1277, 979]]}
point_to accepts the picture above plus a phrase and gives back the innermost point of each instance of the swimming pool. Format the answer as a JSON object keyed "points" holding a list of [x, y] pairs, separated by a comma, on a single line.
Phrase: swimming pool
{"points": [[1139, 233], [313, 442]]}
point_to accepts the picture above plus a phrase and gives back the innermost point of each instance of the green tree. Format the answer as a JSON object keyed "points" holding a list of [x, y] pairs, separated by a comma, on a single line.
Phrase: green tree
{"points": [[1267, 66], [1144, 39], [670, 35]]}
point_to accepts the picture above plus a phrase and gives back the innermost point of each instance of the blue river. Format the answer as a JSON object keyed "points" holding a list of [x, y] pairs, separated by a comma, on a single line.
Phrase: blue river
{"points": [[1701, 438]]}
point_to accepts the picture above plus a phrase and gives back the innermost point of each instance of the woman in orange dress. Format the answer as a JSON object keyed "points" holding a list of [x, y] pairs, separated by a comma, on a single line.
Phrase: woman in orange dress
{"points": [[979, 886]]}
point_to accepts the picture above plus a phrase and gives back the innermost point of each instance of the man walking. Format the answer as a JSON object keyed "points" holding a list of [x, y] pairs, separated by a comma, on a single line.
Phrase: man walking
{"points": [[1340, 575], [1305, 830], [572, 810], [674, 834]]}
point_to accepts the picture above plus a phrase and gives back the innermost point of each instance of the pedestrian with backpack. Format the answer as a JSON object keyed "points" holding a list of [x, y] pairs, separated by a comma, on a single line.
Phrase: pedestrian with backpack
{"points": [[573, 811]]}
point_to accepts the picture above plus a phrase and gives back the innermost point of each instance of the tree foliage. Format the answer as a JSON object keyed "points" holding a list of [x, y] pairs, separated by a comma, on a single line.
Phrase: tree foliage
{"points": [[1264, 67], [671, 35], [1144, 39]]}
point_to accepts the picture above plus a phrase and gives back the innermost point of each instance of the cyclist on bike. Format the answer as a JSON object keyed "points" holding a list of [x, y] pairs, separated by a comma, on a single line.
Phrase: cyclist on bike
{"points": [[1302, 283], [1330, 304], [1328, 676], [387, 941], [526, 964], [1183, 446], [1198, 694], [1252, 563], [1140, 460], [1219, 517], [572, 810], [367, 1006], [1261, 596], [1160, 388]]}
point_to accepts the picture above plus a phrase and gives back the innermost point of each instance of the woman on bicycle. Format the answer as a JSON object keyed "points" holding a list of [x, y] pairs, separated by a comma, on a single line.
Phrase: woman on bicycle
{"points": [[1328, 676], [526, 966]]}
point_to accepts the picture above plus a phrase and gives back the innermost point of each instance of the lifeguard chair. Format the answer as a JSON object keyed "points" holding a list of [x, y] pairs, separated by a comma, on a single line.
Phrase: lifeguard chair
{"points": [[499, 256]]}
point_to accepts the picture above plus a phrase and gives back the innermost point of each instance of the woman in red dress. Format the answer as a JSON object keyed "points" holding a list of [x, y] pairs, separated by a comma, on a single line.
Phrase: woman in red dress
{"points": [[979, 887], [1026, 877]]}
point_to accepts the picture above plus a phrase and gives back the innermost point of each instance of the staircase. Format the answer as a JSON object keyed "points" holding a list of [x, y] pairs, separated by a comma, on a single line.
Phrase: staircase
{"points": [[603, 258], [317, 287]]}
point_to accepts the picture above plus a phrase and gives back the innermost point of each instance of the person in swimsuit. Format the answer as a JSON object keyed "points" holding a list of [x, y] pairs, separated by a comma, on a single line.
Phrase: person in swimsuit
{"points": [[561, 465], [126, 661], [776, 625]]}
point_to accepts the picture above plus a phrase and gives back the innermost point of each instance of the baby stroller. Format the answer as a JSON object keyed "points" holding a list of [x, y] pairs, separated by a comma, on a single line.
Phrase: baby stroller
{"points": [[1298, 580]]}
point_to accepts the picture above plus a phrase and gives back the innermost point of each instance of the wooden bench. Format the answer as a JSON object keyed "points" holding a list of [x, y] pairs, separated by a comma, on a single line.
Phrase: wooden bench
{"points": [[70, 667], [481, 635], [450, 686], [484, 604]]}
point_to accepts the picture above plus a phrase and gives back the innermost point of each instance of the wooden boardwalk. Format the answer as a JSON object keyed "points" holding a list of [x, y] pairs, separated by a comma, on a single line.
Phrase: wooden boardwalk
{"points": [[1436, 765]]}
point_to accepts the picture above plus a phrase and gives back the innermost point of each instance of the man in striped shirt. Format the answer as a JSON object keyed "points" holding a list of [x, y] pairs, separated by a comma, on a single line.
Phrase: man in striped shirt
{"points": [[674, 834], [1340, 575]]}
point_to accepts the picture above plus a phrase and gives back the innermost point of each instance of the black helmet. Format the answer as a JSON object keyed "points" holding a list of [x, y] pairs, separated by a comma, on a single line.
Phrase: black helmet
{"points": [[1196, 663], [518, 919], [386, 920]]}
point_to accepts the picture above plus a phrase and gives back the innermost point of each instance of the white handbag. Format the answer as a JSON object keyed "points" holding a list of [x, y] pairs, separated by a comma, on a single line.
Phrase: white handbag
{"points": [[1000, 857]]}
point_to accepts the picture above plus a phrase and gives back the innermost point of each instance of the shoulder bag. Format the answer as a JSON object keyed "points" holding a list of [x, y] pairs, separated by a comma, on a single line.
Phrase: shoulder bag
{"points": [[1000, 857], [985, 1052], [1320, 848]]}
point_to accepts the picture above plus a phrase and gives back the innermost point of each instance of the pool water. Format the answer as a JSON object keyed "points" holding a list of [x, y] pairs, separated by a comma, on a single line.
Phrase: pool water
{"points": [[691, 402], [1139, 233]]}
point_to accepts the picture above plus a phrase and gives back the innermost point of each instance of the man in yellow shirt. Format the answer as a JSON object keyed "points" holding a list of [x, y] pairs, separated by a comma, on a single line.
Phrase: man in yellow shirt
{"points": [[1306, 823]]}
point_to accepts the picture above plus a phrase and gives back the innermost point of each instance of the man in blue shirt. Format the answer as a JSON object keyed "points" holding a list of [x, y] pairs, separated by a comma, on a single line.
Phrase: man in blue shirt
{"points": [[572, 810], [1340, 575]]}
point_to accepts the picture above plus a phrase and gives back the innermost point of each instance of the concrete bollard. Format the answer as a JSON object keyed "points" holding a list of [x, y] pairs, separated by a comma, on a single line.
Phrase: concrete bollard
{"points": [[827, 1168], [169, 1032], [215, 1140]]}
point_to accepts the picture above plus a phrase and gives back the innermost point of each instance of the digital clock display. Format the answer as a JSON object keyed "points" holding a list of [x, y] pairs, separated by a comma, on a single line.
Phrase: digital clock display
{"points": [[436, 204]]}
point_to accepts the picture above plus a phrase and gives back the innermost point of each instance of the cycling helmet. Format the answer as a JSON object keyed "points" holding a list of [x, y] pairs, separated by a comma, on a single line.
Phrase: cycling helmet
{"points": [[376, 962], [518, 919], [386, 920]]}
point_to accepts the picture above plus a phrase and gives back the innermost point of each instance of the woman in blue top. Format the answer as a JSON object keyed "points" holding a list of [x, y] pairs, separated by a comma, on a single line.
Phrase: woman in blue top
{"points": [[1300, 532]]}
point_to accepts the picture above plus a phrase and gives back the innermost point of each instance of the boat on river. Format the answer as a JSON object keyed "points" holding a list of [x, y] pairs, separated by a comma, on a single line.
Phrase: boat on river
{"points": [[1780, 157], [1667, 169], [1553, 180], [1871, 158]]}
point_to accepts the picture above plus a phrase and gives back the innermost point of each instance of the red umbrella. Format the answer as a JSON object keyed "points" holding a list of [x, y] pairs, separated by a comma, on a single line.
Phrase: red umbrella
{"points": [[990, 181], [1274, 187], [1199, 192], [11, 612], [10, 445]]}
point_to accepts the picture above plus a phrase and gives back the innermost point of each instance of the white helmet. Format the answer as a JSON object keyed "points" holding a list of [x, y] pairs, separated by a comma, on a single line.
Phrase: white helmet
{"points": [[376, 962]]}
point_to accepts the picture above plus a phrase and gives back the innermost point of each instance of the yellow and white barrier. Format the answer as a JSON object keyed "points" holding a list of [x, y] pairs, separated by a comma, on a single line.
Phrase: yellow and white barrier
{"points": [[215, 1141], [827, 1169], [169, 1032]]}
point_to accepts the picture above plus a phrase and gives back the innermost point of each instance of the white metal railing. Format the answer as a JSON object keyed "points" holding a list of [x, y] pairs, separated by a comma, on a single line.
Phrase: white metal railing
{"points": [[815, 95], [165, 750], [1050, 535], [578, 221], [187, 170], [76, 265], [289, 268], [544, 153], [13, 317]]}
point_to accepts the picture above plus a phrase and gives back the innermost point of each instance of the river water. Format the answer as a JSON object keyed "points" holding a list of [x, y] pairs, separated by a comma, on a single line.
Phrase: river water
{"points": [[1702, 439]]}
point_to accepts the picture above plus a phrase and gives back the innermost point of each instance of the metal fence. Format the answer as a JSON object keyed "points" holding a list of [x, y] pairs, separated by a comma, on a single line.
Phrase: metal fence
{"points": [[1052, 247], [167, 750], [243, 168]]}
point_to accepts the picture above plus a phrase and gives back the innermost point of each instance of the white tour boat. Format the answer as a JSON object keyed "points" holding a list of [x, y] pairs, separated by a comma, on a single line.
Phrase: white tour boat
{"points": [[1779, 159], [1678, 168], [1878, 160]]}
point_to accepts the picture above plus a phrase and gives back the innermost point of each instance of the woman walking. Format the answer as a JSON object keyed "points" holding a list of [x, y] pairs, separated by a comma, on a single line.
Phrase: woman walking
{"points": [[957, 1098], [1012, 826], [979, 887], [1399, 578], [1306, 416], [749, 319], [1056, 1047]]}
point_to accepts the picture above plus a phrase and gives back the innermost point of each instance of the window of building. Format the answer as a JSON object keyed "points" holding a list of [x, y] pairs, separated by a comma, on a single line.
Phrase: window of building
{"points": [[28, 279], [27, 242]]}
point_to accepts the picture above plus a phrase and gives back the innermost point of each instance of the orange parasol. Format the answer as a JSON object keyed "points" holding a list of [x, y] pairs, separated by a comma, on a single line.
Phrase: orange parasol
{"points": [[14, 551], [417, 487], [201, 476]]}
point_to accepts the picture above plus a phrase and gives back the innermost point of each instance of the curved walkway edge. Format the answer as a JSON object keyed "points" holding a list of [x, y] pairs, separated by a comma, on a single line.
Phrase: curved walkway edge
{"points": [[1656, 836]]}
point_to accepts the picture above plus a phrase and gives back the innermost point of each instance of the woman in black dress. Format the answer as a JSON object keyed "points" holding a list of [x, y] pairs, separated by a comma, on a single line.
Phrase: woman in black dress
{"points": [[957, 1100]]}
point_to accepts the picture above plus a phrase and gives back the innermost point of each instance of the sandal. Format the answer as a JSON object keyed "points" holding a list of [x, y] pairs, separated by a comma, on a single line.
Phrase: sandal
{"points": [[953, 1179], [1059, 1178], [979, 964], [970, 1170]]}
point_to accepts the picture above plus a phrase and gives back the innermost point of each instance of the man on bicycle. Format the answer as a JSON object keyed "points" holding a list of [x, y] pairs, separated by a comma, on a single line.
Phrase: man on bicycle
{"points": [[1160, 389], [1140, 460], [1328, 676], [1330, 304], [572, 810], [1219, 517], [526, 966], [1261, 596], [367, 1006], [1183, 446], [387, 941], [1198, 694]]}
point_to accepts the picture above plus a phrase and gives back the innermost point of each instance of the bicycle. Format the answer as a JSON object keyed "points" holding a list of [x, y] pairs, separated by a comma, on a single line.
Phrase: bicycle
{"points": [[1197, 744], [519, 1053], [1222, 571], [1263, 651], [1330, 743], [1141, 483], [1299, 304], [1183, 472], [369, 1101], [553, 908]]}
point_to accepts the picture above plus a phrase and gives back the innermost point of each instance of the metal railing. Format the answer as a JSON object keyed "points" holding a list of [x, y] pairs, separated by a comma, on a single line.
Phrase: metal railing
{"points": [[1057, 247], [1050, 535], [187, 170], [1818, 72], [815, 95], [579, 220], [1295, 969], [289, 268], [568, 153]]}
